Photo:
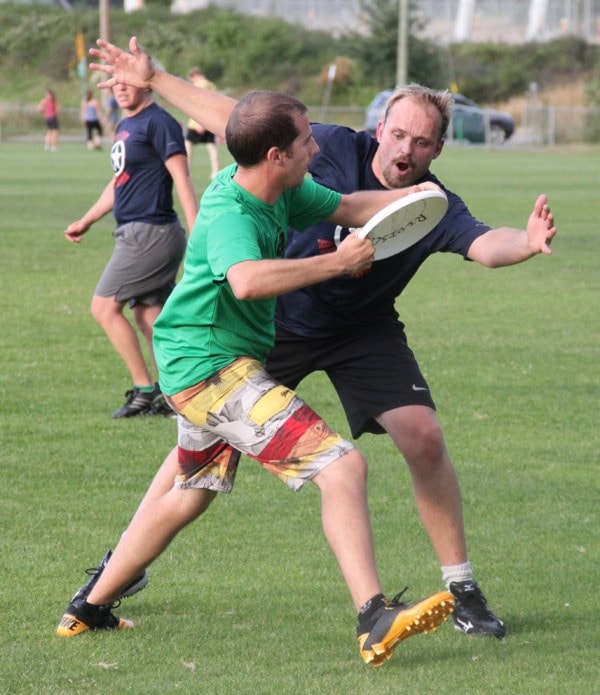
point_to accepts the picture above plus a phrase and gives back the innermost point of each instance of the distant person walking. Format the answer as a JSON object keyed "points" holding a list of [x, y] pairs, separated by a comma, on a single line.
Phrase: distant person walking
{"points": [[50, 108], [113, 113], [147, 156], [91, 117], [195, 132]]}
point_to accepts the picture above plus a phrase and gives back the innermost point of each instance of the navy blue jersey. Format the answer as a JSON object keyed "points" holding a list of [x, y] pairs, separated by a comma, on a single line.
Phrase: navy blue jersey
{"points": [[143, 185], [322, 310]]}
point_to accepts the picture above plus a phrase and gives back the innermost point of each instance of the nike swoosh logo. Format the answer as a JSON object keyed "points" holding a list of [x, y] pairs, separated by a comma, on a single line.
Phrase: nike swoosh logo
{"points": [[419, 388], [466, 626]]}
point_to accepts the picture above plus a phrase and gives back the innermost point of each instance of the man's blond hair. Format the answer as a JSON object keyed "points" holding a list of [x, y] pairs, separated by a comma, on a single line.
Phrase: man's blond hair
{"points": [[441, 100]]}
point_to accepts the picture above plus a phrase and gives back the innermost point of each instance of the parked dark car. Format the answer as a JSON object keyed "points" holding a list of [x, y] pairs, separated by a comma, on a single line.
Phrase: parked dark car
{"points": [[469, 121]]}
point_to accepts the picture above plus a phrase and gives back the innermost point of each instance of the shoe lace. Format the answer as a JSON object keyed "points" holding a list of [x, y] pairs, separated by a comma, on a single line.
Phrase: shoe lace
{"points": [[396, 600], [130, 395], [475, 601], [91, 571]]}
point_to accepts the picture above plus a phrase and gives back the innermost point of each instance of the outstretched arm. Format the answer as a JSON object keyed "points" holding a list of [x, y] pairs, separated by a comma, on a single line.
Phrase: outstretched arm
{"points": [[135, 68], [507, 246], [356, 209]]}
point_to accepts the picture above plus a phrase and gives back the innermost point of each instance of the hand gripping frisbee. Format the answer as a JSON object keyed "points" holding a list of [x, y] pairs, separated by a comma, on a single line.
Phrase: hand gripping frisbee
{"points": [[404, 222]]}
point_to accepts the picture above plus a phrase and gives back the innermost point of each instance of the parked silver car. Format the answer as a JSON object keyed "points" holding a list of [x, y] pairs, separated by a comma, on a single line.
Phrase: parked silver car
{"points": [[469, 121]]}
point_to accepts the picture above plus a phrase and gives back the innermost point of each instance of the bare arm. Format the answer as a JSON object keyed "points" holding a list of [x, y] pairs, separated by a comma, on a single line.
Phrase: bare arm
{"points": [[356, 209], [507, 246], [269, 278], [104, 204], [209, 108], [180, 172]]}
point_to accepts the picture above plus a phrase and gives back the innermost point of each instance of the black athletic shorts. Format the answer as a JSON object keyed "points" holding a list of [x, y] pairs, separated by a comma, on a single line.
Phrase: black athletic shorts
{"points": [[372, 369], [197, 138]]}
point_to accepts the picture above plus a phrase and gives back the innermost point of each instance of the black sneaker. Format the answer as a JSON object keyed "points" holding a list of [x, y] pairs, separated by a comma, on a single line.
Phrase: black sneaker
{"points": [[81, 617], [395, 621], [472, 615], [159, 405], [136, 585], [137, 402]]}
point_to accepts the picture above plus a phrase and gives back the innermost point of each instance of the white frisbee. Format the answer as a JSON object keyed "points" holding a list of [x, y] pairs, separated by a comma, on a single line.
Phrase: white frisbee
{"points": [[404, 222]]}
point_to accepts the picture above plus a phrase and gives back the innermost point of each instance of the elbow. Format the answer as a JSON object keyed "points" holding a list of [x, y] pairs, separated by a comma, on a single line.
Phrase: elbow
{"points": [[244, 281], [247, 281], [489, 263], [243, 289], [485, 259], [243, 293]]}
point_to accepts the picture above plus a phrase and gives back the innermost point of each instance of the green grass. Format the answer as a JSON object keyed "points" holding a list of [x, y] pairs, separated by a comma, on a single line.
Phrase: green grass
{"points": [[249, 600]]}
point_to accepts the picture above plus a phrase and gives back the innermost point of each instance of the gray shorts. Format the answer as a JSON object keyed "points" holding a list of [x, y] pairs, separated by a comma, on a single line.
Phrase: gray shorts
{"points": [[144, 263]]}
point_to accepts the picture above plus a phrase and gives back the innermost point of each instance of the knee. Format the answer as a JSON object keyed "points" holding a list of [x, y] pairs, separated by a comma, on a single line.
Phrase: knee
{"points": [[349, 470], [423, 446], [429, 439], [104, 310]]}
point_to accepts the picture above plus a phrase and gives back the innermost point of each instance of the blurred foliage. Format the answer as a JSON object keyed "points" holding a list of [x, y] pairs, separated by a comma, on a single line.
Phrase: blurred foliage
{"points": [[235, 51], [238, 52], [378, 56], [496, 72]]}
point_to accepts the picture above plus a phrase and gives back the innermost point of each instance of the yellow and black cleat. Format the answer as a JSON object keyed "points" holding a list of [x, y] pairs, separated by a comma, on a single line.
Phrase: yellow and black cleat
{"points": [[396, 621]]}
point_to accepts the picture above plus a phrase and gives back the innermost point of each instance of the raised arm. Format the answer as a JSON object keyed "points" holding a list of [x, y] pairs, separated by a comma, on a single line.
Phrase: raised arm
{"points": [[507, 246], [135, 68]]}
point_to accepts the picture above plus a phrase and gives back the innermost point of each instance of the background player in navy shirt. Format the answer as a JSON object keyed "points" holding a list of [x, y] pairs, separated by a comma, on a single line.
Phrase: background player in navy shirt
{"points": [[147, 156], [349, 327]]}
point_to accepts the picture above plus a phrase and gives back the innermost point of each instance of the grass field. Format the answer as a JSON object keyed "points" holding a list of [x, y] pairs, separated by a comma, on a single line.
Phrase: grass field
{"points": [[249, 600]]}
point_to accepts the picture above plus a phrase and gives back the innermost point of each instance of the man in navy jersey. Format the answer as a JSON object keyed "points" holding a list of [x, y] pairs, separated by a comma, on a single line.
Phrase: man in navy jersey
{"points": [[349, 327], [148, 156]]}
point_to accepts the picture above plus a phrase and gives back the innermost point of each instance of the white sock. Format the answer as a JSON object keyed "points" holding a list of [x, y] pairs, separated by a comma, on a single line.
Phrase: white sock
{"points": [[457, 573]]}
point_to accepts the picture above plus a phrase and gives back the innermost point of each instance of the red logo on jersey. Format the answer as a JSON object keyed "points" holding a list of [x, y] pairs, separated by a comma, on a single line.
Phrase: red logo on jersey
{"points": [[326, 246]]}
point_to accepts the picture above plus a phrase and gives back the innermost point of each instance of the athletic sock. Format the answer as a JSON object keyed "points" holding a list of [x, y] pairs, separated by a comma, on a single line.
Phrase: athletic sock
{"points": [[457, 573], [145, 389]]}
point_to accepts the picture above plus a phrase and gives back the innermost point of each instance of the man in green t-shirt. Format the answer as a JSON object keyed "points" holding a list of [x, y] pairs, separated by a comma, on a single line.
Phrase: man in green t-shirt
{"points": [[211, 341]]}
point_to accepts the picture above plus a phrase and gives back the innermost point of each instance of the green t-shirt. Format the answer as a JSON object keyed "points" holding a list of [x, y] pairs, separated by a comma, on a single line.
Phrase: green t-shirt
{"points": [[203, 327]]}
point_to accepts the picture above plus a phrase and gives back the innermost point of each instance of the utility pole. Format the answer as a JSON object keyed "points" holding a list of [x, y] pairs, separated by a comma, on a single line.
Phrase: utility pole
{"points": [[464, 20], [402, 47], [104, 8]]}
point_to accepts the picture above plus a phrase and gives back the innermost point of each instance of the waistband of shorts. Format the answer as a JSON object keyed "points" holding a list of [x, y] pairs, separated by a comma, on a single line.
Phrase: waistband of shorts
{"points": [[226, 377], [141, 225]]}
